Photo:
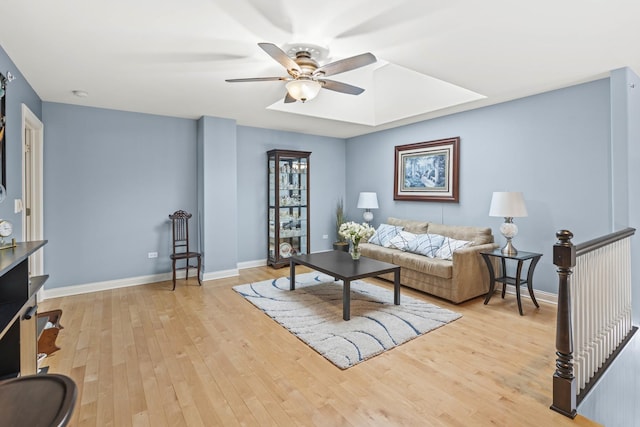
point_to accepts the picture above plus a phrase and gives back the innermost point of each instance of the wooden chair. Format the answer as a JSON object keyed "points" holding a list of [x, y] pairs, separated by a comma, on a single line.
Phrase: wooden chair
{"points": [[180, 226]]}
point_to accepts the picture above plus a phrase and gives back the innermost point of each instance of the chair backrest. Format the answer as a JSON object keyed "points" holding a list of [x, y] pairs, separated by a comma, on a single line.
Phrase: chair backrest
{"points": [[180, 226]]}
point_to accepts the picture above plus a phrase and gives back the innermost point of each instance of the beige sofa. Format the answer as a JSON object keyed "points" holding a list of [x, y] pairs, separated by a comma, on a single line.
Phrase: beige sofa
{"points": [[463, 277]]}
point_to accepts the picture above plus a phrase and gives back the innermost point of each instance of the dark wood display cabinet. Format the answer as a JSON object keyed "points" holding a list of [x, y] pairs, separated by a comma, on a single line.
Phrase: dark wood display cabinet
{"points": [[288, 190], [18, 311]]}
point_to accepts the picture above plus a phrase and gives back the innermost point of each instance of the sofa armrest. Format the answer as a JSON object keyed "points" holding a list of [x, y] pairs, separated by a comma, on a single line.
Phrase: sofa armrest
{"points": [[474, 249], [470, 275]]}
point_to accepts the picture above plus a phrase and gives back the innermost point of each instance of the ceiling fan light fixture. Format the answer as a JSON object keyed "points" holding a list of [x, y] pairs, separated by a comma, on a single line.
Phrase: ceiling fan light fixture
{"points": [[303, 72], [303, 89]]}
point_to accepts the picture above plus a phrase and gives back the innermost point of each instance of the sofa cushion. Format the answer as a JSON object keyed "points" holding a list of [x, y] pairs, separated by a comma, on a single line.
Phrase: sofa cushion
{"points": [[449, 245], [378, 252], [416, 227], [384, 234], [425, 244], [477, 235], [431, 266], [402, 240]]}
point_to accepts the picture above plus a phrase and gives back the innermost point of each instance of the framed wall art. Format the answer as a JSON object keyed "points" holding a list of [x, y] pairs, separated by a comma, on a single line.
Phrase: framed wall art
{"points": [[427, 171]]}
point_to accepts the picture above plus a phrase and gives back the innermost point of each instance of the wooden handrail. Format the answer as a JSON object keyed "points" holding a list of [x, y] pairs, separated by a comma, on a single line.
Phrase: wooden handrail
{"points": [[598, 242], [564, 258]]}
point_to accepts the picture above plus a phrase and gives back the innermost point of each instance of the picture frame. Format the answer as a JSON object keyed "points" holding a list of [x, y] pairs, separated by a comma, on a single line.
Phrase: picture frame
{"points": [[427, 171]]}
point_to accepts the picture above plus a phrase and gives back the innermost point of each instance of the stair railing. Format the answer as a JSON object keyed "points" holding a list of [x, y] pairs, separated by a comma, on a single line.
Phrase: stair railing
{"points": [[594, 312]]}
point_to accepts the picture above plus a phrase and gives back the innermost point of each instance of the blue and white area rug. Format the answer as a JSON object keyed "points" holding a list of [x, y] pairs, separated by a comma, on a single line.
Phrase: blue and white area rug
{"points": [[313, 313]]}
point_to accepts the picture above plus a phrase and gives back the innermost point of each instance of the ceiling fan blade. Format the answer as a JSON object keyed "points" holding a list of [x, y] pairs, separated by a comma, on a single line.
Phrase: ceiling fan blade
{"points": [[289, 99], [279, 55], [257, 79], [341, 87], [346, 64]]}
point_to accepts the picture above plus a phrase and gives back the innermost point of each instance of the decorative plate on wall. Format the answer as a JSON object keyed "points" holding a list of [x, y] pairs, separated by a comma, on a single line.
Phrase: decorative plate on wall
{"points": [[285, 249]]}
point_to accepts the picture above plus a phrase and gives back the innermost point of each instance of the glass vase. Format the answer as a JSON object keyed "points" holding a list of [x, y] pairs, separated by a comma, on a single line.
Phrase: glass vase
{"points": [[355, 252]]}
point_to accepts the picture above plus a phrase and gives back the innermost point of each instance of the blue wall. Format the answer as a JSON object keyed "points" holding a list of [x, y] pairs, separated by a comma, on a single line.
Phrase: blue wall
{"points": [[625, 112], [218, 216], [111, 180], [112, 177], [19, 92], [326, 182], [103, 165], [554, 147], [613, 401]]}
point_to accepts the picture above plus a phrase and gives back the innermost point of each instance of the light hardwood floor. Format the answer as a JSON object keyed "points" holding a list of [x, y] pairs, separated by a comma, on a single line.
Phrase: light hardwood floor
{"points": [[203, 356]]}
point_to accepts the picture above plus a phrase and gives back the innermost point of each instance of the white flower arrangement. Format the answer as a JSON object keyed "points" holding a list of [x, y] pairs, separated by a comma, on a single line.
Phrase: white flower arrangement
{"points": [[355, 232]]}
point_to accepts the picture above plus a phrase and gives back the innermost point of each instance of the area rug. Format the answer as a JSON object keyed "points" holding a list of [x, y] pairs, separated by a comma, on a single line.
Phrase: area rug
{"points": [[313, 313]]}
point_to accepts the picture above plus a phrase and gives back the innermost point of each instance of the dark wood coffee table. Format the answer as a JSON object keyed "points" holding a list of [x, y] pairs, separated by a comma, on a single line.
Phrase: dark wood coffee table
{"points": [[340, 265]]}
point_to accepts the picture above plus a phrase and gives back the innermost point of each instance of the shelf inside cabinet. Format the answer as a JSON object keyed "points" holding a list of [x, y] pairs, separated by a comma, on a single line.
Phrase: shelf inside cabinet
{"points": [[36, 282]]}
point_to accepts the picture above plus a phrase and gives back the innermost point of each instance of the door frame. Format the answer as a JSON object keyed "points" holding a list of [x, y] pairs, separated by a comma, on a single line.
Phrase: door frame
{"points": [[32, 122]]}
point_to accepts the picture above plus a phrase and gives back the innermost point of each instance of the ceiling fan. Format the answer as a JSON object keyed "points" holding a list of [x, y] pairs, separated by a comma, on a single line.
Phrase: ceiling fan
{"points": [[306, 77]]}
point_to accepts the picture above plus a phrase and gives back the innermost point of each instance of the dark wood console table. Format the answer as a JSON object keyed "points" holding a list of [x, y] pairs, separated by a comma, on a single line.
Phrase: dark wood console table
{"points": [[505, 279], [18, 311]]}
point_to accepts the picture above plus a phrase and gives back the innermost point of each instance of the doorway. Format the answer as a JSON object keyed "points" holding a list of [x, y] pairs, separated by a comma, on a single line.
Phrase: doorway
{"points": [[32, 186]]}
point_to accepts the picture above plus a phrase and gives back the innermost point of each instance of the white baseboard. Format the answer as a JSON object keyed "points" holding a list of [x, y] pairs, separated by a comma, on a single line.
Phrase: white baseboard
{"points": [[542, 296], [252, 264], [104, 286], [220, 274], [142, 280], [131, 281]]}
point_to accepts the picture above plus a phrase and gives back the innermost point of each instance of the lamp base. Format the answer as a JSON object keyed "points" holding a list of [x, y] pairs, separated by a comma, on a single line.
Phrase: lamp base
{"points": [[509, 249], [509, 230], [367, 216]]}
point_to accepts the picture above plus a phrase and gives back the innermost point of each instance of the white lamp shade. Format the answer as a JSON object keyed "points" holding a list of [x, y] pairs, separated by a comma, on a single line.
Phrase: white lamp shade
{"points": [[303, 89], [368, 200], [508, 204]]}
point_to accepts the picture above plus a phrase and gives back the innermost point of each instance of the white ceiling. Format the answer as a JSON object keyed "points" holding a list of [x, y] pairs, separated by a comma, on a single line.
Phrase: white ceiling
{"points": [[171, 58]]}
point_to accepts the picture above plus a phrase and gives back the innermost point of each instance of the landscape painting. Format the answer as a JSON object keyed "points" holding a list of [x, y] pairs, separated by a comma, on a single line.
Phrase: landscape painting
{"points": [[427, 171]]}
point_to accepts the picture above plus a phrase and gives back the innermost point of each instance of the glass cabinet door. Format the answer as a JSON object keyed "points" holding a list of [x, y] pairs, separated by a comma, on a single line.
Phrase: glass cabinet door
{"points": [[288, 178]]}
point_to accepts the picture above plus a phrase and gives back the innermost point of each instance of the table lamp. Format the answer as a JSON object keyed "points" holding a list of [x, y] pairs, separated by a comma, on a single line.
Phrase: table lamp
{"points": [[368, 201], [508, 204]]}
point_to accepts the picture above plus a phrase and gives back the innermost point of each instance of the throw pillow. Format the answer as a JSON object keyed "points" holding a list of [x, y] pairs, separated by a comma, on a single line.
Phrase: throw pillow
{"points": [[449, 245], [425, 244], [384, 234], [402, 240]]}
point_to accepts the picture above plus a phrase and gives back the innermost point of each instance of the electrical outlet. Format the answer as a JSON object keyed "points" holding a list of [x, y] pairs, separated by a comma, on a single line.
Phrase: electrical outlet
{"points": [[325, 236], [152, 254]]}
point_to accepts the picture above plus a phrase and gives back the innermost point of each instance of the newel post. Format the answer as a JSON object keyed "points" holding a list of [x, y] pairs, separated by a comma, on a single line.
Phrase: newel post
{"points": [[564, 383]]}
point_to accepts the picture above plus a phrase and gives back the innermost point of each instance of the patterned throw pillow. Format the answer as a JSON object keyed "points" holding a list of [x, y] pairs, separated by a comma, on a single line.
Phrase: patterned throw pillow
{"points": [[384, 234], [450, 245], [402, 240], [425, 244]]}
